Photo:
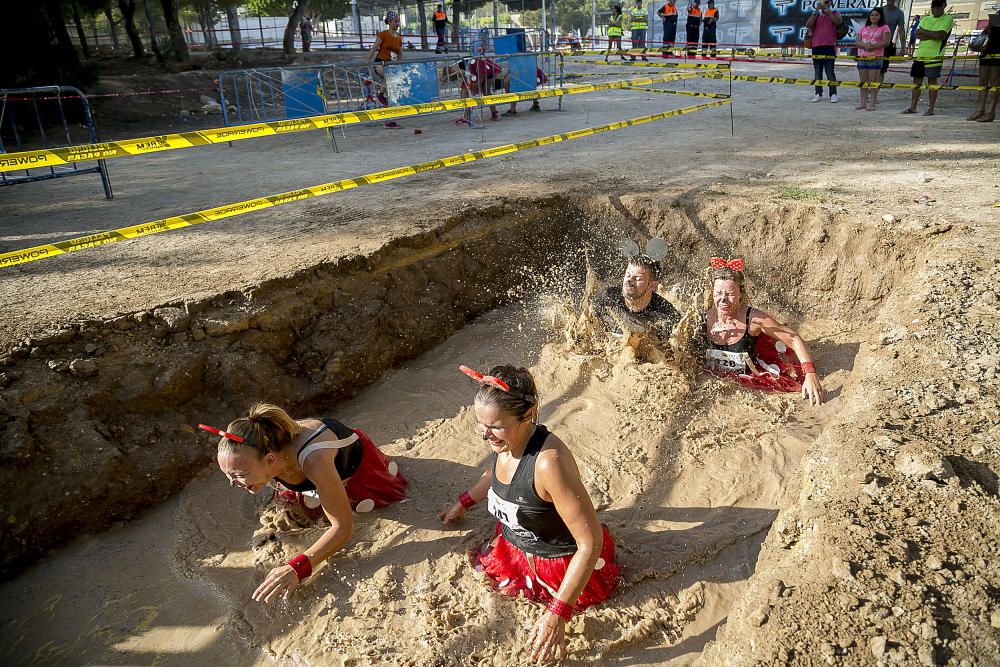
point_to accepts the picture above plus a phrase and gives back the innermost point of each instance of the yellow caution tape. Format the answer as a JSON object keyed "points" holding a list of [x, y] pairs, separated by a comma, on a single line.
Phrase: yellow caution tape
{"points": [[142, 146], [657, 50], [651, 64], [715, 96], [849, 84], [239, 208]]}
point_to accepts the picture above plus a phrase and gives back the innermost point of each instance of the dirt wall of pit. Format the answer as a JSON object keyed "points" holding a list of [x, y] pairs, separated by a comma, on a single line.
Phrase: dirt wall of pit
{"points": [[96, 417]]}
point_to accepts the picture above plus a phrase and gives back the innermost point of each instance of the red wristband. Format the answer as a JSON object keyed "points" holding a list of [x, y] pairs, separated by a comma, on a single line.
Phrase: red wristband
{"points": [[302, 565], [808, 367], [561, 609], [466, 500]]}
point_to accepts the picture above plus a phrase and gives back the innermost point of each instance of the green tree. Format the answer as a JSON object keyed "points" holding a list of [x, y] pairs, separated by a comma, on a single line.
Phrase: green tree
{"points": [[296, 10]]}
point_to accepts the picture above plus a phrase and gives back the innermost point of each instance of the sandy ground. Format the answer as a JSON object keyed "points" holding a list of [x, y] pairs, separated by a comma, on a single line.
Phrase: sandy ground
{"points": [[735, 540]]}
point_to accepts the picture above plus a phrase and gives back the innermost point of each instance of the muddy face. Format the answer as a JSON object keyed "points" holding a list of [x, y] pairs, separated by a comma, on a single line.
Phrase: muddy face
{"points": [[500, 429], [245, 471], [637, 283], [726, 297]]}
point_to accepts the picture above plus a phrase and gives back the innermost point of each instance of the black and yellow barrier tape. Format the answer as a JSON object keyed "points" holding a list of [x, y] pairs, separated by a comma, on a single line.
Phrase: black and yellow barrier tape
{"points": [[641, 63], [48, 250], [168, 142], [689, 93], [826, 82], [656, 51]]}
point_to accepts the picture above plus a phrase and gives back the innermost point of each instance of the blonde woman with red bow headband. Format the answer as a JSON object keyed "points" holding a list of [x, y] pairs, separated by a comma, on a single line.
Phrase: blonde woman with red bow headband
{"points": [[749, 344], [320, 463], [549, 545]]}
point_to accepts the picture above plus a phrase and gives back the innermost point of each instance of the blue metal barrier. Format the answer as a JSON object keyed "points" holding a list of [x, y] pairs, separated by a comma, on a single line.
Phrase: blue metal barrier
{"points": [[25, 113]]}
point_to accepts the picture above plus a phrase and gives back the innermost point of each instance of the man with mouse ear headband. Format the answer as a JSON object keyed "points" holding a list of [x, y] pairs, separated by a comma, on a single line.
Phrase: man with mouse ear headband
{"points": [[635, 304]]}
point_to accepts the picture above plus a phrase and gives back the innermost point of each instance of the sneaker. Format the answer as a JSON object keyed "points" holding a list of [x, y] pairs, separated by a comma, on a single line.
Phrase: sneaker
{"points": [[817, 97], [834, 99], [393, 125], [509, 113]]}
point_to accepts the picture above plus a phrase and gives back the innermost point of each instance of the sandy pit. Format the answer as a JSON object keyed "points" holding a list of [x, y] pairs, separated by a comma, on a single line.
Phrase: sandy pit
{"points": [[753, 528]]}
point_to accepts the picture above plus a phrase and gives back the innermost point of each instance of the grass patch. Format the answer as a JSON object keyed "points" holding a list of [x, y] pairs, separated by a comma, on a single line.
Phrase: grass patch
{"points": [[796, 192]]}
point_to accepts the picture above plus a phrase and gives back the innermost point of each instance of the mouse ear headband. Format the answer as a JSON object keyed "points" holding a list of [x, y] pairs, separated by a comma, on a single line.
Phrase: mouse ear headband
{"points": [[220, 432], [655, 250], [496, 383]]}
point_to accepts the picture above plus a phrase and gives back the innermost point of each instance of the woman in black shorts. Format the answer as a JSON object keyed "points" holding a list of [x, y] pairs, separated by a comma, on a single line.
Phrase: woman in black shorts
{"points": [[989, 72]]}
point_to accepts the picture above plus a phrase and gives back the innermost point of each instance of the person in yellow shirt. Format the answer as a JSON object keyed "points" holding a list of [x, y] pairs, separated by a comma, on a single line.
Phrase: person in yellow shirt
{"points": [[638, 26], [933, 32], [615, 32]]}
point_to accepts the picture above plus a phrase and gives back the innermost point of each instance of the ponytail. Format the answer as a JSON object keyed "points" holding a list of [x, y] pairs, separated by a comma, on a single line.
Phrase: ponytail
{"points": [[266, 428]]}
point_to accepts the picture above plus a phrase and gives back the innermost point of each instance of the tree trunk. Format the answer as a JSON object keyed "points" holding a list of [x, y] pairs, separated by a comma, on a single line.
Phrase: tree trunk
{"points": [[152, 33], [127, 8], [288, 43], [79, 30], [454, 22], [58, 24], [178, 46], [422, 13], [234, 26], [207, 19], [111, 25]]}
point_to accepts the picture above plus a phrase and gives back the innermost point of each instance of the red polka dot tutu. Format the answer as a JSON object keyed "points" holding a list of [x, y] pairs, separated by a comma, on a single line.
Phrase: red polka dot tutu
{"points": [[789, 376], [511, 574], [376, 478]]}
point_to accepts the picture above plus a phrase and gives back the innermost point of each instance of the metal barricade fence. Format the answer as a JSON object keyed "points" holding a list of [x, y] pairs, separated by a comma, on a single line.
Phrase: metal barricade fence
{"points": [[270, 93], [33, 118], [363, 85]]}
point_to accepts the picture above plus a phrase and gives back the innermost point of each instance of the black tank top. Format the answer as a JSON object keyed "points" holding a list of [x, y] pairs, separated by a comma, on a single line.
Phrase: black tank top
{"points": [[745, 344], [528, 522], [346, 461]]}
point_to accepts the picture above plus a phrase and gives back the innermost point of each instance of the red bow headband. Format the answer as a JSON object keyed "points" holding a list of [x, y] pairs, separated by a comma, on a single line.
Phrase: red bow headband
{"points": [[495, 382], [736, 264], [216, 431]]}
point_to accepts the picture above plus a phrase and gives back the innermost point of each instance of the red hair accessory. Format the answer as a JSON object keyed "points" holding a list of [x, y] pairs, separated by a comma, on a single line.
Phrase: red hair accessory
{"points": [[736, 264], [485, 379], [216, 431], [497, 383]]}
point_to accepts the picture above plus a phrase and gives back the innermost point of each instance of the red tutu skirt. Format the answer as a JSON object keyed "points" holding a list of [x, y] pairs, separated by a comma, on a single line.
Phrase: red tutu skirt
{"points": [[774, 371], [376, 479], [511, 573]]}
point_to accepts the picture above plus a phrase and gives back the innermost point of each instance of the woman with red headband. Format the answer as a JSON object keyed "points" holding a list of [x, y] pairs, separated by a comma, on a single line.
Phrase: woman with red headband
{"points": [[313, 459], [549, 545], [751, 344]]}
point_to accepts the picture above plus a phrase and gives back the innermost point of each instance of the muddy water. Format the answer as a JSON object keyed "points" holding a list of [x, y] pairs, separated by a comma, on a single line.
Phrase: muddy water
{"points": [[688, 474]]}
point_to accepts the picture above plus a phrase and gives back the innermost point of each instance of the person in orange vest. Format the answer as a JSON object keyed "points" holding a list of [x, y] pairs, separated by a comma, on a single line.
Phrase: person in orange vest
{"points": [[440, 27], [388, 43], [693, 26], [668, 13], [708, 35]]}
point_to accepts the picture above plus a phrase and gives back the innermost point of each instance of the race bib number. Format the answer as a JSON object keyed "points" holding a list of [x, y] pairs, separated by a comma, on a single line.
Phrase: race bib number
{"points": [[504, 511], [726, 361]]}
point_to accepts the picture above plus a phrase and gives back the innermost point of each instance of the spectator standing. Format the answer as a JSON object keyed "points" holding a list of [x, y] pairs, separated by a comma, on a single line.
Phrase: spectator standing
{"points": [[615, 32], [933, 34], [709, 40], [441, 27], [638, 26], [989, 72], [896, 20], [823, 26], [871, 42], [668, 13], [913, 32], [306, 30], [693, 26]]}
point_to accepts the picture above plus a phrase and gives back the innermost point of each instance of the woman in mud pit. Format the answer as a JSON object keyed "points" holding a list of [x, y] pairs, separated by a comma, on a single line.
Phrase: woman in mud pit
{"points": [[323, 459], [742, 339], [550, 546]]}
